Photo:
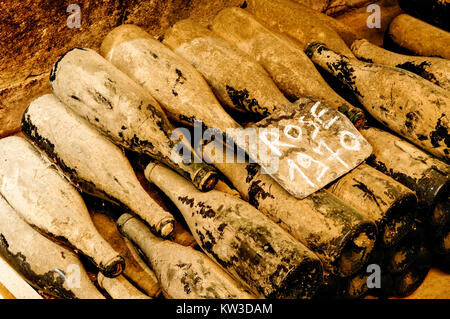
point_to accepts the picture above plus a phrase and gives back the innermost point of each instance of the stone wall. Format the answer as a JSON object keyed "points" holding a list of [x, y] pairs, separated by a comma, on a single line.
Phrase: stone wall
{"points": [[33, 33]]}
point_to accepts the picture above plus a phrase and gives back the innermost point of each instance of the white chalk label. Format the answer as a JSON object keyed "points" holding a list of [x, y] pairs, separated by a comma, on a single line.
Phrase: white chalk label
{"points": [[306, 147]]}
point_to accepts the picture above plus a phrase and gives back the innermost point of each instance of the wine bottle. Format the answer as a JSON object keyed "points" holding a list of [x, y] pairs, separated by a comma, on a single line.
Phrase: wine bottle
{"points": [[419, 37], [45, 199], [143, 277], [338, 234], [120, 288], [435, 70], [183, 273], [388, 203], [45, 265], [290, 68], [356, 286], [238, 81], [174, 82], [406, 103], [287, 17], [435, 12], [405, 253], [415, 169], [91, 162], [118, 107], [249, 246]]}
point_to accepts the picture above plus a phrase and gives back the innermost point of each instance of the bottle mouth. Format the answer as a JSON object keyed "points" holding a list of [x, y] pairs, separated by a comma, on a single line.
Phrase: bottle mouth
{"points": [[205, 179], [166, 227], [357, 44], [312, 48], [356, 116], [114, 267]]}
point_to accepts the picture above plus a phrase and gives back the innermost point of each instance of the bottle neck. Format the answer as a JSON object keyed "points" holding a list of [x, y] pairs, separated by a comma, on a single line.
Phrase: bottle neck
{"points": [[139, 233], [172, 184], [226, 161], [340, 66]]}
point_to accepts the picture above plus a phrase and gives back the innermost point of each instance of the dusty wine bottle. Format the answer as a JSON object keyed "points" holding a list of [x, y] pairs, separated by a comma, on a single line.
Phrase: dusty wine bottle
{"points": [[120, 288], [406, 103], [435, 12], [419, 37], [242, 240], [45, 199], [174, 82], [91, 162], [435, 70], [388, 203], [247, 88], [289, 18], [183, 273], [118, 107], [402, 256], [45, 265], [334, 231], [140, 275], [415, 169], [290, 68]]}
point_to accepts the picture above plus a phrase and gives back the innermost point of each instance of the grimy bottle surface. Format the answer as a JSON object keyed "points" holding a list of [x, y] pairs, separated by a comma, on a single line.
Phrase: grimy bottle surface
{"points": [[172, 81], [346, 32], [120, 288], [45, 199], [183, 272], [338, 234], [415, 169], [122, 110], [289, 67], [436, 70], [242, 240], [406, 103], [237, 80], [388, 203], [136, 271], [409, 251], [92, 162], [419, 37], [291, 19], [44, 264]]}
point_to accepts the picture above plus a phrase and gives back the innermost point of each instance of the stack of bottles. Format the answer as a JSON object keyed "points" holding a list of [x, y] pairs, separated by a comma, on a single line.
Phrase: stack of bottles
{"points": [[75, 193]]}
